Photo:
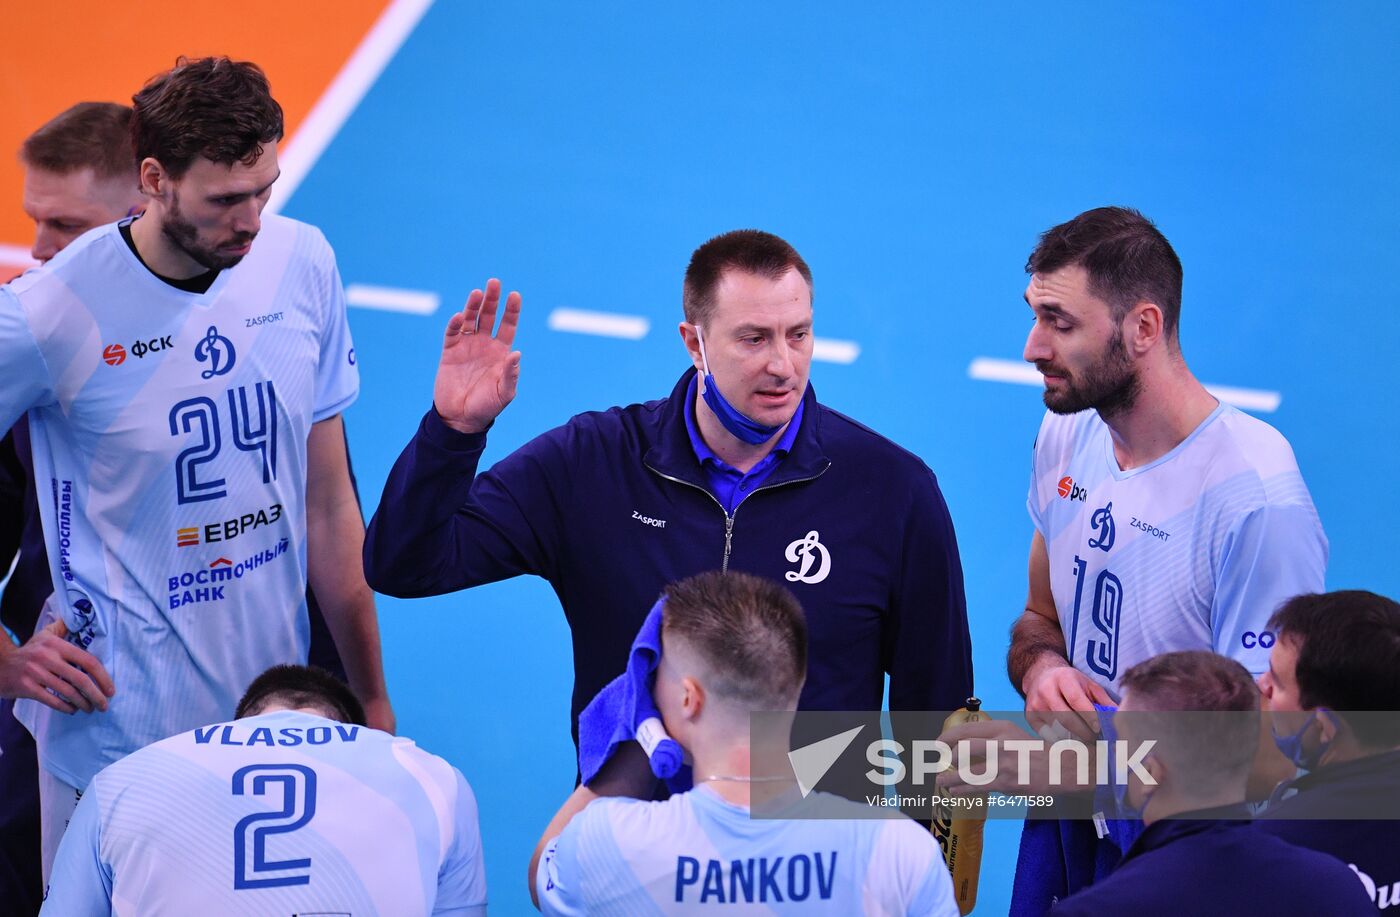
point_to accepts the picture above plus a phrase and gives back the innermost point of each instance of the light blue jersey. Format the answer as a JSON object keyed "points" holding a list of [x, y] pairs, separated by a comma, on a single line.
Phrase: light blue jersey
{"points": [[1193, 551], [696, 853], [284, 813], [169, 433]]}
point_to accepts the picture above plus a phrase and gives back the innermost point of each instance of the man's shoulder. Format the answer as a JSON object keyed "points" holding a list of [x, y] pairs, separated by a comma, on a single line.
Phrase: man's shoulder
{"points": [[1250, 442], [611, 429], [843, 435], [93, 250], [282, 236], [1061, 435]]}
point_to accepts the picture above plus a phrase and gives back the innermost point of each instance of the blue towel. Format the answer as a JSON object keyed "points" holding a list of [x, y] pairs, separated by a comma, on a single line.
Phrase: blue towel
{"points": [[623, 706], [1058, 858]]}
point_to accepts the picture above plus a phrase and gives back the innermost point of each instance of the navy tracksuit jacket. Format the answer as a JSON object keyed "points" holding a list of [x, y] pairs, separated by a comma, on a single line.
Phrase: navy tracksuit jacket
{"points": [[1200, 865], [613, 505], [1369, 785]]}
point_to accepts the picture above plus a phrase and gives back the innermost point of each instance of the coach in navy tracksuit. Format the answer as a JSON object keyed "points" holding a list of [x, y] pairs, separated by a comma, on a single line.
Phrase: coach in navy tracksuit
{"points": [[1199, 854], [740, 468], [1339, 652]]}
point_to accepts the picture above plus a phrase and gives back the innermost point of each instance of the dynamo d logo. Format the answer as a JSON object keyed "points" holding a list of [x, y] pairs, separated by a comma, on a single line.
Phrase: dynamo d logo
{"points": [[217, 351], [1105, 530], [809, 552]]}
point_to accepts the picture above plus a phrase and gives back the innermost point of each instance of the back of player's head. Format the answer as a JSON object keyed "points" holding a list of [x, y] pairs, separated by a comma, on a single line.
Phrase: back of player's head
{"points": [[89, 135], [1127, 258], [752, 251], [213, 107], [1212, 749], [748, 633], [1348, 645], [296, 686]]}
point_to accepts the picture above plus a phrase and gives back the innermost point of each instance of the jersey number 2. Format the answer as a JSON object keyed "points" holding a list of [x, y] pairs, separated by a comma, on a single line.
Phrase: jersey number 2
{"points": [[251, 867], [1101, 655]]}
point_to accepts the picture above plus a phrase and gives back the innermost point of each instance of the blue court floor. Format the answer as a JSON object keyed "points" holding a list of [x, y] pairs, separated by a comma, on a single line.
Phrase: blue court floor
{"points": [[912, 154]]}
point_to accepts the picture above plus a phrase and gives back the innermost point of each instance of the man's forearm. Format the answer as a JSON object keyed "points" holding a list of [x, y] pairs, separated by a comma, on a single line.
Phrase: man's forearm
{"points": [[334, 569], [1035, 641], [335, 533]]}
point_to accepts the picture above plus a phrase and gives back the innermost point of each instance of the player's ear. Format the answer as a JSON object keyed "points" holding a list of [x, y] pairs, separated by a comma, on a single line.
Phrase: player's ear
{"points": [[1327, 725], [692, 697], [1144, 327], [155, 181], [692, 344]]}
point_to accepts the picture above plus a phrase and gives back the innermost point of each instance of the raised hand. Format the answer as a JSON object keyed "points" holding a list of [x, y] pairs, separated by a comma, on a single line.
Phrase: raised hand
{"points": [[478, 372]]}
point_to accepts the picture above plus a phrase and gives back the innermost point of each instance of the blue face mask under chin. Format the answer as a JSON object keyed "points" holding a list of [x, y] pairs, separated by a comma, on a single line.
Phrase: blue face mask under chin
{"points": [[1292, 745], [742, 427]]}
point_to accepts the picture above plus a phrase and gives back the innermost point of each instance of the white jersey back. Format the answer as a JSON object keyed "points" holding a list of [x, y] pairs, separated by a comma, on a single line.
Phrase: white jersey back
{"points": [[169, 433], [1193, 551], [284, 813], [695, 853]]}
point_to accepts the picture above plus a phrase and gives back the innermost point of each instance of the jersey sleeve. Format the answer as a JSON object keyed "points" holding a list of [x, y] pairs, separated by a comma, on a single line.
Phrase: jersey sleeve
{"points": [[1270, 555], [557, 879], [337, 376], [1033, 501], [80, 883], [22, 366], [462, 878]]}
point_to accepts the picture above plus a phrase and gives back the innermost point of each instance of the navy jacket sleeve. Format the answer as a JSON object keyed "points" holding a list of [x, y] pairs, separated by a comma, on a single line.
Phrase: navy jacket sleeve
{"points": [[441, 527], [13, 481], [926, 645]]}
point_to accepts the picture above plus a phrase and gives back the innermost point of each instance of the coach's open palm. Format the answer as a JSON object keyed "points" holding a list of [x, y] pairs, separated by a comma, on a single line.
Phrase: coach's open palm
{"points": [[478, 371]]}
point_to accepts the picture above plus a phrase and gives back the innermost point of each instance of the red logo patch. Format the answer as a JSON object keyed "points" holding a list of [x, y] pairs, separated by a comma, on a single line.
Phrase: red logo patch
{"points": [[114, 354], [1066, 485]]}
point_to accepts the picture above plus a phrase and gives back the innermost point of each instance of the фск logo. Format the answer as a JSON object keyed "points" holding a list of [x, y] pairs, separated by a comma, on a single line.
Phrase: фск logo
{"points": [[217, 351], [115, 354], [1072, 491]]}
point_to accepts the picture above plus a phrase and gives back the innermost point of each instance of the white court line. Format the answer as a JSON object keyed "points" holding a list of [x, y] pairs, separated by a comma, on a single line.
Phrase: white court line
{"points": [[834, 350], [990, 369], [392, 299], [344, 94], [605, 324], [17, 255]]}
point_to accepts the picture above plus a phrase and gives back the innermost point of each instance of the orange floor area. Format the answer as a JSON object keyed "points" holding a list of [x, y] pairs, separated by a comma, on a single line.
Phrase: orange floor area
{"points": [[60, 53]]}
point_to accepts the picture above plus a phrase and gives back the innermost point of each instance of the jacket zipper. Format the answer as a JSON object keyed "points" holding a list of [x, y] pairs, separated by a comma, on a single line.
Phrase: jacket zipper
{"points": [[728, 516]]}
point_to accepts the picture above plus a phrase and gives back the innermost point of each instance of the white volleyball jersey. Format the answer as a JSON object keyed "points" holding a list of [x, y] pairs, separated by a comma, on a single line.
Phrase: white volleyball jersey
{"points": [[169, 436], [1192, 551], [697, 853], [280, 814]]}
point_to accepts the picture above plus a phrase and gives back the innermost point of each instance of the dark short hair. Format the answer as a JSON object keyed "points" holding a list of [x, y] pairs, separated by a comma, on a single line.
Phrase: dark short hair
{"points": [[301, 686], [752, 251], [1127, 258], [1180, 690], [1348, 657], [213, 107], [750, 633], [90, 135]]}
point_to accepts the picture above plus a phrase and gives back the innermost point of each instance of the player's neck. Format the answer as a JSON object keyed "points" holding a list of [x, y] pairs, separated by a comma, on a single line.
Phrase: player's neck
{"points": [[731, 450], [734, 760], [158, 253], [1169, 407]]}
